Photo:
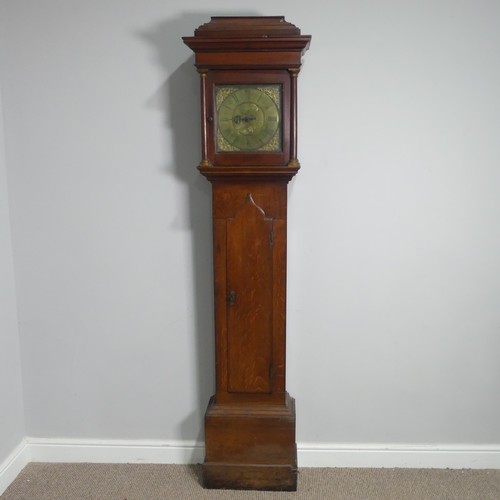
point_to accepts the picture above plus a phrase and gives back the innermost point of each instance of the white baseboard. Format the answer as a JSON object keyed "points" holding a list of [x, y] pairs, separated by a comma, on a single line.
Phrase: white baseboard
{"points": [[309, 454], [13, 465], [115, 451], [399, 456]]}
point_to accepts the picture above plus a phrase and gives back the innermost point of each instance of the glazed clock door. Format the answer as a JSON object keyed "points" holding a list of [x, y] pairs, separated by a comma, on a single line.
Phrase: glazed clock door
{"points": [[249, 118]]}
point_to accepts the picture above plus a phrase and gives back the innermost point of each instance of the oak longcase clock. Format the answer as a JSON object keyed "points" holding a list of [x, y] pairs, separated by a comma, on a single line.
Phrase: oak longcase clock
{"points": [[248, 70]]}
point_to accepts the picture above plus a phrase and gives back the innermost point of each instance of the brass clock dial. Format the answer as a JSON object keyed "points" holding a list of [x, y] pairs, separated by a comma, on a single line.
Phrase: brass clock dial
{"points": [[248, 117]]}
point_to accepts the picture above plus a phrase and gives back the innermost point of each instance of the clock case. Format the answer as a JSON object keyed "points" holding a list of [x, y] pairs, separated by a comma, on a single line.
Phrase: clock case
{"points": [[250, 421]]}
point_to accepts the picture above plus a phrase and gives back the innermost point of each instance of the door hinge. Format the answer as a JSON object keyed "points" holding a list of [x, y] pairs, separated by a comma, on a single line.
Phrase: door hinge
{"points": [[271, 237]]}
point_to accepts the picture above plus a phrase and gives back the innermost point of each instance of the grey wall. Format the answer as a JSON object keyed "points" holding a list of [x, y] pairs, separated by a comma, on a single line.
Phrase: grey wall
{"points": [[394, 276], [11, 397]]}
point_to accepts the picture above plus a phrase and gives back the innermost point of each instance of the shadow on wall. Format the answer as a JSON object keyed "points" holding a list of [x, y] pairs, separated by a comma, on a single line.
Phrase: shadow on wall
{"points": [[179, 99]]}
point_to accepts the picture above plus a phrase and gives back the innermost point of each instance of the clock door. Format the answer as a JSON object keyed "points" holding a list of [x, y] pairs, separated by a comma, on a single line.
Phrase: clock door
{"points": [[250, 291], [248, 117], [250, 300]]}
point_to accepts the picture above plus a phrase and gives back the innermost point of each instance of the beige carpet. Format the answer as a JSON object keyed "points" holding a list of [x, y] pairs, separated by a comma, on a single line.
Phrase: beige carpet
{"points": [[42, 481]]}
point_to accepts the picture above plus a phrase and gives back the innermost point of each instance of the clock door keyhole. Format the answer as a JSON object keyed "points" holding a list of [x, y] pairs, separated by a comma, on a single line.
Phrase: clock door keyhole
{"points": [[231, 298]]}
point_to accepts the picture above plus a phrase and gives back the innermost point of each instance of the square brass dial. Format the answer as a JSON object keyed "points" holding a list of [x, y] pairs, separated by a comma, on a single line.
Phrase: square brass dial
{"points": [[248, 117]]}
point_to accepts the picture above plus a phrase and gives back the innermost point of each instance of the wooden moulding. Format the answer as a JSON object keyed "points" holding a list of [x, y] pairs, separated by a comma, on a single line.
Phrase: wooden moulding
{"points": [[237, 173], [248, 26], [229, 42]]}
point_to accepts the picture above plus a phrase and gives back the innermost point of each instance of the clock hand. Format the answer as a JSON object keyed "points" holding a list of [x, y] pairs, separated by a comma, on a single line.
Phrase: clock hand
{"points": [[238, 119]]}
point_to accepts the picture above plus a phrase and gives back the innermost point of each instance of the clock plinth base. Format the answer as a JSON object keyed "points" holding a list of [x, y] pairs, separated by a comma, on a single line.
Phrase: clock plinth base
{"points": [[250, 446], [250, 477]]}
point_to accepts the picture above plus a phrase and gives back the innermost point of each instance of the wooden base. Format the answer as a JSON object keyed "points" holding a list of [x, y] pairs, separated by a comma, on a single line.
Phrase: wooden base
{"points": [[250, 446], [250, 477]]}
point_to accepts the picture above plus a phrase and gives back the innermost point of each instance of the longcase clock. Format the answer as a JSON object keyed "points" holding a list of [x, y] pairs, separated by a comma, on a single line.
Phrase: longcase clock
{"points": [[248, 70]]}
